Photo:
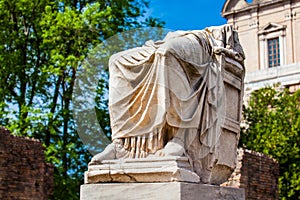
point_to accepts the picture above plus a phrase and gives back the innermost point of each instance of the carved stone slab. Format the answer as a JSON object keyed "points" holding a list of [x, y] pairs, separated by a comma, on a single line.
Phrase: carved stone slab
{"points": [[161, 191], [156, 169]]}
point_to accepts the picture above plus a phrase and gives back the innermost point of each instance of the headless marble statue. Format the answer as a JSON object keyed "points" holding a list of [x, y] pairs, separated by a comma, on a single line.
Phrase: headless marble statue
{"points": [[167, 98]]}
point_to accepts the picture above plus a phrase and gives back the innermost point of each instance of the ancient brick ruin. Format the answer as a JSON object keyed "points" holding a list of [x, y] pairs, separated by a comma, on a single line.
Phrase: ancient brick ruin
{"points": [[24, 174], [257, 173]]}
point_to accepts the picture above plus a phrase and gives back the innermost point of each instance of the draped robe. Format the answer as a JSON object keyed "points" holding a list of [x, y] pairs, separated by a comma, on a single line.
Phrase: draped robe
{"points": [[169, 89]]}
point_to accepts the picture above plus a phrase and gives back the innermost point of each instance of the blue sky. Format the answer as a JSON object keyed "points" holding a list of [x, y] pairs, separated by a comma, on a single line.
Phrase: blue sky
{"points": [[188, 14]]}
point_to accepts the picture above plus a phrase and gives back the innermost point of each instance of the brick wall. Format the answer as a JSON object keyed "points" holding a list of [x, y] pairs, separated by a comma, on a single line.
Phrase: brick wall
{"points": [[24, 174], [23, 171], [257, 173]]}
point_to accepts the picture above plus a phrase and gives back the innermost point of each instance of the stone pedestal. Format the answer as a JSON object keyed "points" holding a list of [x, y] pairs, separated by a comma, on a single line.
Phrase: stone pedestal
{"points": [[156, 169], [161, 191], [163, 178]]}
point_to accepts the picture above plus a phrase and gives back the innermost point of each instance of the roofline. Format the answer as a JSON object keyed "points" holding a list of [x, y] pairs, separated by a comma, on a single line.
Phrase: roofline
{"points": [[249, 7]]}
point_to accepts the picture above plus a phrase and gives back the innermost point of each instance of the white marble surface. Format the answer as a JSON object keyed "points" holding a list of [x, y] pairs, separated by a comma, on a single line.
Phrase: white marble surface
{"points": [[159, 191], [156, 169]]}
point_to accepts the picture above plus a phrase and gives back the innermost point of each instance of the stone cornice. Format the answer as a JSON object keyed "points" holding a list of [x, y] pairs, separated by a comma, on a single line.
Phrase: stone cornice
{"points": [[250, 6]]}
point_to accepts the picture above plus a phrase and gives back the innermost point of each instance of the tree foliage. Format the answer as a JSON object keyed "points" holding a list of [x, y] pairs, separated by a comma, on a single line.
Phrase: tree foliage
{"points": [[42, 44], [273, 127]]}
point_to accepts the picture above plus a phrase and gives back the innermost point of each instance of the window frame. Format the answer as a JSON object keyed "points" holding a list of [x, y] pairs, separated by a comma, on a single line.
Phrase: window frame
{"points": [[267, 33], [273, 52]]}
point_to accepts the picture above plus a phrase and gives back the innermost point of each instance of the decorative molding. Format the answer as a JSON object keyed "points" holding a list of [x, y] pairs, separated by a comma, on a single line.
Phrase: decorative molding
{"points": [[290, 15], [253, 23], [271, 27], [237, 6]]}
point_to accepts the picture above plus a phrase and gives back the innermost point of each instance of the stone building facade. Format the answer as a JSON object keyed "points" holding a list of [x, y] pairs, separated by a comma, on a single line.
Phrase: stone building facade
{"points": [[269, 33], [24, 174]]}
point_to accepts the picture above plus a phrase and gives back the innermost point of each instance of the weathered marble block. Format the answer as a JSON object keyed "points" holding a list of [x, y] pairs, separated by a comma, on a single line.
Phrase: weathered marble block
{"points": [[161, 191], [156, 169], [233, 76]]}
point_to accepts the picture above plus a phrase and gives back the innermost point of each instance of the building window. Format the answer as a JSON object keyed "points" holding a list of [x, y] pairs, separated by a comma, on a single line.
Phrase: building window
{"points": [[273, 52], [272, 46]]}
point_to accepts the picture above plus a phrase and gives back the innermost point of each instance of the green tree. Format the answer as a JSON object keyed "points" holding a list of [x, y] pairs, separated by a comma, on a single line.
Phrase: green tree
{"points": [[273, 127], [42, 44]]}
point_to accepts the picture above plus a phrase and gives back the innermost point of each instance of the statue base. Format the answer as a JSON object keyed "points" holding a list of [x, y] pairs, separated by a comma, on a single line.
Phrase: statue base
{"points": [[151, 178], [155, 169], [163, 191]]}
